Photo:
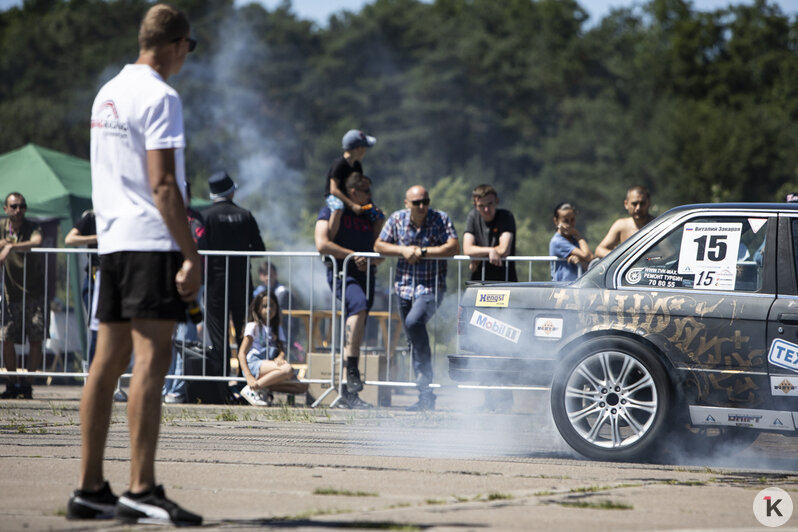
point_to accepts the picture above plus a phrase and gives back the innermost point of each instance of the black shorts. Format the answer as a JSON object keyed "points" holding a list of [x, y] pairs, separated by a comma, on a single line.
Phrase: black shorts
{"points": [[140, 284]]}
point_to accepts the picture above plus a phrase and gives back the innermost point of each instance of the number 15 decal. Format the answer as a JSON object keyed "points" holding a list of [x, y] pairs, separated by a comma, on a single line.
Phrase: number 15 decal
{"points": [[709, 247]]}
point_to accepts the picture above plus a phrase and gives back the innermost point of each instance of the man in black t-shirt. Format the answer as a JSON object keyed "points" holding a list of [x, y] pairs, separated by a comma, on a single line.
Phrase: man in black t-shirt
{"points": [[490, 232], [228, 227]]}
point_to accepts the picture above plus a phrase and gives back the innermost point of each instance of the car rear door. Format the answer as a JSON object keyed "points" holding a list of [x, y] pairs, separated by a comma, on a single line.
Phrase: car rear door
{"points": [[782, 354]]}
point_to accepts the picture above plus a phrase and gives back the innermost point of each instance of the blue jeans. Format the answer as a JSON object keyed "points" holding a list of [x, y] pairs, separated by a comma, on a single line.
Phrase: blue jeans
{"points": [[184, 331], [415, 315]]}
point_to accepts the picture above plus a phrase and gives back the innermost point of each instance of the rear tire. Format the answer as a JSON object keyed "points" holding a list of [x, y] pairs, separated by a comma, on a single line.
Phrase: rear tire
{"points": [[610, 399]]}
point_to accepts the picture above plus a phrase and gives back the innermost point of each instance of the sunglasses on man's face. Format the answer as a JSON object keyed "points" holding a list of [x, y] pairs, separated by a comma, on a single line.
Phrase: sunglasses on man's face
{"points": [[419, 202], [15, 206], [191, 42]]}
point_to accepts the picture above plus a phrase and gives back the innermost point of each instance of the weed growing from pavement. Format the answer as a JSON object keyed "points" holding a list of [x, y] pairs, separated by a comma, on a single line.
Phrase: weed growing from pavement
{"points": [[345, 493], [674, 482], [435, 501], [227, 415], [499, 496], [603, 505], [589, 489]]}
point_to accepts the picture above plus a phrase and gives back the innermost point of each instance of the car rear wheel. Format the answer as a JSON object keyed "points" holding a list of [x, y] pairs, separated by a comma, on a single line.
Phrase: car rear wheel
{"points": [[610, 399]]}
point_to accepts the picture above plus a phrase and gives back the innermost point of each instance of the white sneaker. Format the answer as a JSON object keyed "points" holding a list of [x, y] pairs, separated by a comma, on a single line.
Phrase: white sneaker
{"points": [[252, 397]]}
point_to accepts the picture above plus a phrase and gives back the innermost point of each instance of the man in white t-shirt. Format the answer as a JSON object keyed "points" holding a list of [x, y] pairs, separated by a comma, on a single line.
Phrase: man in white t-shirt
{"points": [[149, 263]]}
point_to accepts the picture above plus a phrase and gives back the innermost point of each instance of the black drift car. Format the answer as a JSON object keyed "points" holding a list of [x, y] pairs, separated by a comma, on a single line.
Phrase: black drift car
{"points": [[687, 329]]}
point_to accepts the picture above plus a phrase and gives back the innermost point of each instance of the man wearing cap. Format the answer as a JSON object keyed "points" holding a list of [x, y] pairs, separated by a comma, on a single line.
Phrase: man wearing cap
{"points": [[355, 143], [228, 228]]}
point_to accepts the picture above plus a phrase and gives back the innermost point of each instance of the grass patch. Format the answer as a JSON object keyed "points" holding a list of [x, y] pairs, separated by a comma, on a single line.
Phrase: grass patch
{"points": [[435, 501], [227, 415], [603, 505], [345, 493], [589, 489], [688, 482], [499, 496]]}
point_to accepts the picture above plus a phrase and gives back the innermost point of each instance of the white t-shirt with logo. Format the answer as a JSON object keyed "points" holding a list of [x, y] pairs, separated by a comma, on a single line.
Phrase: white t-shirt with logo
{"points": [[134, 112]]}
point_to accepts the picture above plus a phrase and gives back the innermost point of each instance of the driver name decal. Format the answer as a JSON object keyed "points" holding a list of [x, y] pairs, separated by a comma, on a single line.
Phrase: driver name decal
{"points": [[492, 325], [784, 355]]}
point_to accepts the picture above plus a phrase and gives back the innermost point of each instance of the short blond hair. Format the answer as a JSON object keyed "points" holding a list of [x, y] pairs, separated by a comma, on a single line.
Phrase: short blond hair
{"points": [[161, 25]]}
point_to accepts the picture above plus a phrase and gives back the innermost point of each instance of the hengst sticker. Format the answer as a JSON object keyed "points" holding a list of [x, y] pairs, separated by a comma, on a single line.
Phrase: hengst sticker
{"points": [[548, 327], [783, 354], [492, 325], [493, 298]]}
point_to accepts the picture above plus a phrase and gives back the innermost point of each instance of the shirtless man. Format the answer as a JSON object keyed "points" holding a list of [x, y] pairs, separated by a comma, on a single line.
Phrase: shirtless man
{"points": [[637, 202]]}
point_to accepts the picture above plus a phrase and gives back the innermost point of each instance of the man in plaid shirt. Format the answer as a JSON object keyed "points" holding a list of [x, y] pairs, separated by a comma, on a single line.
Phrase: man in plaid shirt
{"points": [[416, 233]]}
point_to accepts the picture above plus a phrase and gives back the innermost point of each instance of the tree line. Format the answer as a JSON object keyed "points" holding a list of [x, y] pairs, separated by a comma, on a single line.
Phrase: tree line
{"points": [[528, 95]]}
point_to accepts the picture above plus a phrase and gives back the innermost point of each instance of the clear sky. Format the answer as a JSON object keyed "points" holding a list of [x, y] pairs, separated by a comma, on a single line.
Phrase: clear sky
{"points": [[320, 10]]}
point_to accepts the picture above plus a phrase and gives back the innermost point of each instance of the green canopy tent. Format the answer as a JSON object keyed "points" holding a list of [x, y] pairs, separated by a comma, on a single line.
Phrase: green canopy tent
{"points": [[55, 185], [57, 189]]}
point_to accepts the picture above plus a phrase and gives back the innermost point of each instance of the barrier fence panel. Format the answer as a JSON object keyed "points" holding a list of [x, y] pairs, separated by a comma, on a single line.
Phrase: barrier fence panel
{"points": [[440, 336], [314, 337]]}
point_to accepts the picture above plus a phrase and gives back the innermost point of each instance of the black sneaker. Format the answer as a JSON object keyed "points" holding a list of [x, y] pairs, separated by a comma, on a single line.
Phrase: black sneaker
{"points": [[353, 382], [356, 402], [153, 508], [424, 403], [100, 504], [26, 390], [13, 391]]}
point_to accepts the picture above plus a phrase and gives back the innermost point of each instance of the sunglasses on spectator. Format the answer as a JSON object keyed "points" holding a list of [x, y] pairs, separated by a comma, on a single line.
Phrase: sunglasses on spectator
{"points": [[15, 206], [419, 202], [191, 42]]}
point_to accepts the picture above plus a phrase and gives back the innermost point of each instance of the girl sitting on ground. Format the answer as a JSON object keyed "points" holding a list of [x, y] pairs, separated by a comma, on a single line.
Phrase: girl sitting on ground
{"points": [[261, 356]]}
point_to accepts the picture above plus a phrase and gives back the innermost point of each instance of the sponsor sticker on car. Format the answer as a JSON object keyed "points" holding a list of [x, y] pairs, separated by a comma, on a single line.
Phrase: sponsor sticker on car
{"points": [[742, 417], [492, 298], [548, 328], [783, 354], [497, 327], [781, 386]]}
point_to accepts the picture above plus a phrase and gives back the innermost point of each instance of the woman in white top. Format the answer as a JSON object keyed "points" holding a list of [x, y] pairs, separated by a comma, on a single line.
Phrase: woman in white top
{"points": [[261, 356]]}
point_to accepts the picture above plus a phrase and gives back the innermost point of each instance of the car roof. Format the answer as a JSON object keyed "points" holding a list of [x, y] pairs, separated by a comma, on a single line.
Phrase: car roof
{"points": [[736, 206]]}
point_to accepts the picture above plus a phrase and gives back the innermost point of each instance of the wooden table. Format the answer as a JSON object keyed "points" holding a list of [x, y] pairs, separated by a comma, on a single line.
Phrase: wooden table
{"points": [[313, 321]]}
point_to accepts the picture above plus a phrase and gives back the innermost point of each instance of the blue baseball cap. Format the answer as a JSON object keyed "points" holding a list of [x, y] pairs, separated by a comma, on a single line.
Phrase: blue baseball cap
{"points": [[355, 138]]}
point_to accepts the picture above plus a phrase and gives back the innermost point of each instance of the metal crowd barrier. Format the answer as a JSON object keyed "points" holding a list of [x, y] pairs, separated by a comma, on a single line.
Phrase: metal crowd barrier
{"points": [[72, 330]]}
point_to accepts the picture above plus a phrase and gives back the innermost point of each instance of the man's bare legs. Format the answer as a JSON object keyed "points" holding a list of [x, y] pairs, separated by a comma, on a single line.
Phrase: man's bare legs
{"points": [[152, 342], [355, 328], [111, 357]]}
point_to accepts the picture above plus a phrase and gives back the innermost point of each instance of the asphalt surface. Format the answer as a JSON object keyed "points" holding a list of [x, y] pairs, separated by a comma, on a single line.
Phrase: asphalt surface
{"points": [[456, 469]]}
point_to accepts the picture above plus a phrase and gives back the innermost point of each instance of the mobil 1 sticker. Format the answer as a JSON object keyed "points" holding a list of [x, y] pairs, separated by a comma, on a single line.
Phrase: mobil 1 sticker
{"points": [[783, 354], [497, 327], [709, 251]]}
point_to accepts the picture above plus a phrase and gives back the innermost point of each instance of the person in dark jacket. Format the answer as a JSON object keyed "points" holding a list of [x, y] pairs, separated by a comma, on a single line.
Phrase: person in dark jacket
{"points": [[228, 227]]}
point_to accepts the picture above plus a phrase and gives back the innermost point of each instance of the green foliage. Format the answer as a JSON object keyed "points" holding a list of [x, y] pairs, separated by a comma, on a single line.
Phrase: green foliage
{"points": [[697, 106]]}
